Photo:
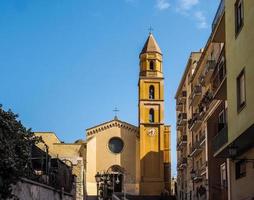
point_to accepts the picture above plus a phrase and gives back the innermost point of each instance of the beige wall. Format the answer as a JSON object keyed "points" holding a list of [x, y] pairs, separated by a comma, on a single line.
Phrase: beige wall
{"points": [[91, 166], [100, 158], [239, 55], [242, 188], [73, 152], [31, 190]]}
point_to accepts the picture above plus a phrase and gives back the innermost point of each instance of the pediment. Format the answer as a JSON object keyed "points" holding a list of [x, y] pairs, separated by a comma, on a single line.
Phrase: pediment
{"points": [[111, 124]]}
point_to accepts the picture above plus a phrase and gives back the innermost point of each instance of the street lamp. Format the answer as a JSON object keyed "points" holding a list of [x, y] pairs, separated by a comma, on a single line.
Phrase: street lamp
{"points": [[98, 180]]}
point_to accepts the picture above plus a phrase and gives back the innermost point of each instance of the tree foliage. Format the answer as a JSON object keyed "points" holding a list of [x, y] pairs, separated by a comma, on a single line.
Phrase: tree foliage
{"points": [[15, 149]]}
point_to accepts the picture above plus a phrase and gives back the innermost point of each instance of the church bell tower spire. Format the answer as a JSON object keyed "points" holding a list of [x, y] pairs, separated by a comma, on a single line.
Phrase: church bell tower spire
{"points": [[151, 119]]}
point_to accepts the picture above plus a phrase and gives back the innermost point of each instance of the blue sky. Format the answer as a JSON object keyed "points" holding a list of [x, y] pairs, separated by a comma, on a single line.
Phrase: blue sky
{"points": [[65, 65]]}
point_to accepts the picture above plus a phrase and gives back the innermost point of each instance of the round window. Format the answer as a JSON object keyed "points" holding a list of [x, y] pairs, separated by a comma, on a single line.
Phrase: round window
{"points": [[115, 145]]}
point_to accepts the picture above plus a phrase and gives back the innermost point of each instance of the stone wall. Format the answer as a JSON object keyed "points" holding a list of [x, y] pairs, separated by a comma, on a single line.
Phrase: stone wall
{"points": [[30, 190]]}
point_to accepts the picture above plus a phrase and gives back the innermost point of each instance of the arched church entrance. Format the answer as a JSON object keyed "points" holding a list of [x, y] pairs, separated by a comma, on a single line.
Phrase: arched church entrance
{"points": [[110, 182], [116, 174]]}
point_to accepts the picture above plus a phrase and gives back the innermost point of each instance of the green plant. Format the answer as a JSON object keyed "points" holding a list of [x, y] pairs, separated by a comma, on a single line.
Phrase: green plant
{"points": [[15, 149]]}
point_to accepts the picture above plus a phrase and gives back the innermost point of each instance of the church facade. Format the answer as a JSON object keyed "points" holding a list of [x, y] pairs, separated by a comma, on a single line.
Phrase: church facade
{"points": [[130, 159]]}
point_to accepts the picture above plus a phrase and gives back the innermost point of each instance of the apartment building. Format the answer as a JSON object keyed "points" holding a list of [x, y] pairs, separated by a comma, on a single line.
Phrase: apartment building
{"points": [[216, 146], [236, 141]]}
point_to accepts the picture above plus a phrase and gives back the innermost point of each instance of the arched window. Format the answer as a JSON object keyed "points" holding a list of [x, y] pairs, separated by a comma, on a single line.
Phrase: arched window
{"points": [[151, 92], [151, 65], [151, 115]]}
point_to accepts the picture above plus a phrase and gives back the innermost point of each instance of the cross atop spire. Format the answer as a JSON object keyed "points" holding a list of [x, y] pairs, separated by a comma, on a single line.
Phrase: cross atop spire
{"points": [[116, 110], [150, 29]]}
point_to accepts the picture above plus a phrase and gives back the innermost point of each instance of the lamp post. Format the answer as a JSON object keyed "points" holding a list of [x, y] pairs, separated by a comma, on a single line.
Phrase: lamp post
{"points": [[98, 180]]}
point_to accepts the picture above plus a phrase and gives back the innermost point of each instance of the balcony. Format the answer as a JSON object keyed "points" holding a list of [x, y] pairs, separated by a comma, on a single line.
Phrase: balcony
{"points": [[218, 25], [200, 172], [179, 106], [197, 146], [195, 122], [182, 140], [181, 121], [195, 149], [208, 72], [221, 138], [218, 14], [195, 96], [182, 97], [204, 104], [219, 84], [182, 163]]}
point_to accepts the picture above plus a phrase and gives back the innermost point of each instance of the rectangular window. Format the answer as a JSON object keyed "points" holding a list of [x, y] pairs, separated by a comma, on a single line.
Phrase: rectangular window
{"points": [[238, 16], [223, 175], [240, 169], [241, 88]]}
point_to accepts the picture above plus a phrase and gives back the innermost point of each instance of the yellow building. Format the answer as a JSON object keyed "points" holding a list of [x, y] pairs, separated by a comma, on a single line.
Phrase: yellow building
{"points": [[154, 135], [118, 157], [73, 154], [139, 157]]}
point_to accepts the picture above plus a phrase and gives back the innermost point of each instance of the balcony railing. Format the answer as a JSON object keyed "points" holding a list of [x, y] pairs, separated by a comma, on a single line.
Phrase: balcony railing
{"points": [[197, 146], [182, 97], [219, 86], [200, 172], [195, 95], [182, 118], [194, 122], [181, 141], [182, 163], [179, 106], [218, 14], [221, 138], [207, 74], [204, 104]]}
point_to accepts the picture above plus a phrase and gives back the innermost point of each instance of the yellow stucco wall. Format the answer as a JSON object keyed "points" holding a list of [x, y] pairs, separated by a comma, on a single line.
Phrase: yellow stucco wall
{"points": [[239, 55], [100, 158], [153, 147], [73, 152]]}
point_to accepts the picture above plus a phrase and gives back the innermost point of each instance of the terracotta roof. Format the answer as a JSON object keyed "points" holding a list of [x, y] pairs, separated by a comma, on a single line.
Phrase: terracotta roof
{"points": [[151, 45]]}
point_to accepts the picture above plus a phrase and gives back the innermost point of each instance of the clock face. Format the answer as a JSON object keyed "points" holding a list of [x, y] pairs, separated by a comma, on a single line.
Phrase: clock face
{"points": [[151, 132]]}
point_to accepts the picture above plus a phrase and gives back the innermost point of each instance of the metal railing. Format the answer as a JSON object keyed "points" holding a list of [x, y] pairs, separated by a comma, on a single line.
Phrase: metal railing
{"points": [[221, 138], [218, 14], [181, 118], [210, 65], [219, 76], [181, 140], [195, 118], [197, 90]]}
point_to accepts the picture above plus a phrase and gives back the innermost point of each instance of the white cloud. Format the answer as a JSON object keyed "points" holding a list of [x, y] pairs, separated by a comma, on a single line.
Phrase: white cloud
{"points": [[201, 19], [162, 4], [187, 4]]}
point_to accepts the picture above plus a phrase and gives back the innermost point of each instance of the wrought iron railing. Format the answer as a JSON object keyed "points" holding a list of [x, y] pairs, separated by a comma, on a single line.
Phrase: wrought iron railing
{"points": [[218, 14]]}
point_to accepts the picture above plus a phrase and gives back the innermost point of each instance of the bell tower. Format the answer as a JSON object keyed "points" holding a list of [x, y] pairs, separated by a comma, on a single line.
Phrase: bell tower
{"points": [[154, 136]]}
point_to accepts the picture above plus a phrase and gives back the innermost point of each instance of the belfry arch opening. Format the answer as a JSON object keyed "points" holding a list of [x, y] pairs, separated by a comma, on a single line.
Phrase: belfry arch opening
{"points": [[151, 65], [151, 92], [151, 115]]}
